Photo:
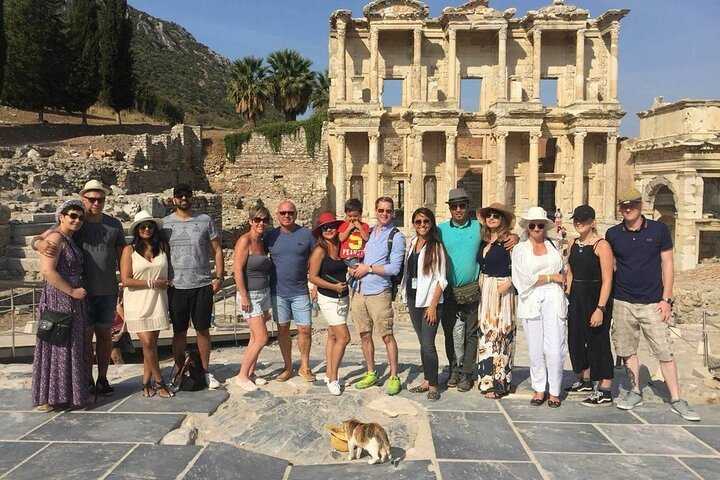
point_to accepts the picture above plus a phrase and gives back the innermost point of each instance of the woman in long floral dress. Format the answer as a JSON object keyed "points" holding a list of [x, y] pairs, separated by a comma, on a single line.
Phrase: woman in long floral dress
{"points": [[496, 343], [60, 376]]}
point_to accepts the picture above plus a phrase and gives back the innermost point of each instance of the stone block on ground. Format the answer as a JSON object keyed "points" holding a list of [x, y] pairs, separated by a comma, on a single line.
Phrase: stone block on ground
{"points": [[394, 406], [221, 461], [360, 470], [60, 459], [154, 461], [181, 436]]}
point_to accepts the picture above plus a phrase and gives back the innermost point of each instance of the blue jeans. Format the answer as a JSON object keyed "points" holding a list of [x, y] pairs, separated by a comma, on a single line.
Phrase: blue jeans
{"points": [[297, 308]]}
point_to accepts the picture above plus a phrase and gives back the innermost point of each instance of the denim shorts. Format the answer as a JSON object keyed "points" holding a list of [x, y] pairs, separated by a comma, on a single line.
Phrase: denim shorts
{"points": [[259, 303], [101, 310], [287, 308]]}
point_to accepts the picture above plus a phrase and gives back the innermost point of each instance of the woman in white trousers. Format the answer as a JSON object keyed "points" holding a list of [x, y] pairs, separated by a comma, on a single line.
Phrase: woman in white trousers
{"points": [[538, 275]]}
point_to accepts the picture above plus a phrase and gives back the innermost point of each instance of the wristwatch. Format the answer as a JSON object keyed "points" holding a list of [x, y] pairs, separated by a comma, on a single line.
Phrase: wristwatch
{"points": [[370, 269], [602, 308], [668, 300]]}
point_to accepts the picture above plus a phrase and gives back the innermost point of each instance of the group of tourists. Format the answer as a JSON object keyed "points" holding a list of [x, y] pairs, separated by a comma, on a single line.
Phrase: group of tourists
{"points": [[166, 278], [472, 276]]}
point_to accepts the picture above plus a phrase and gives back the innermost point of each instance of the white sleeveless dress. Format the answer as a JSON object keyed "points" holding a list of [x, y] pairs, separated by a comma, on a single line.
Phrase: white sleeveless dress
{"points": [[146, 309]]}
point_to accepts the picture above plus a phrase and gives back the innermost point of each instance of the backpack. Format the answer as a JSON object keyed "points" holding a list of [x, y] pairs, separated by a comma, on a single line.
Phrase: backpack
{"points": [[394, 279], [191, 376]]}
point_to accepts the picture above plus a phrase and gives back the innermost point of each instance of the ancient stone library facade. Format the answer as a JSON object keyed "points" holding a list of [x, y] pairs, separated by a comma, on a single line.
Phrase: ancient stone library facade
{"points": [[521, 109]]}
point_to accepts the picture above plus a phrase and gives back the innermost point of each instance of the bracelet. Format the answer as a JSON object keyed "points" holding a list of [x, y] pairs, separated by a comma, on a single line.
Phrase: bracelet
{"points": [[149, 283], [547, 278]]}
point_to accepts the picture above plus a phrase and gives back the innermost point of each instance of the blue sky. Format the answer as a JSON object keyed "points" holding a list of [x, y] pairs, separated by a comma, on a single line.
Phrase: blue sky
{"points": [[668, 48]]}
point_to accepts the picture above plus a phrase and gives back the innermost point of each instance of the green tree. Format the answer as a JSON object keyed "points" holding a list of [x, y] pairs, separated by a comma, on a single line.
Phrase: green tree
{"points": [[115, 68], [83, 84], [292, 81], [249, 88], [35, 72], [320, 97]]}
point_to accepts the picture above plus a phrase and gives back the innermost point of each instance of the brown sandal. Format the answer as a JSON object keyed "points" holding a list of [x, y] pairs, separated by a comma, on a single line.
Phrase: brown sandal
{"points": [[163, 390], [148, 390]]}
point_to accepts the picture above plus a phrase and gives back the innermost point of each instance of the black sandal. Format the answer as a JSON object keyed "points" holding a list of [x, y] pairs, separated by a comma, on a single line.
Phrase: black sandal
{"points": [[418, 389], [536, 402], [554, 403], [433, 396], [148, 390], [163, 390]]}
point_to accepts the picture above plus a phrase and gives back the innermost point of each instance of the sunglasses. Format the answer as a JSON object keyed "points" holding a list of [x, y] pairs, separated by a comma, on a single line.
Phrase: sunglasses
{"points": [[389, 211], [76, 216], [287, 213], [180, 196], [423, 221], [458, 206], [325, 228], [533, 226], [257, 220], [494, 215], [147, 226], [95, 199]]}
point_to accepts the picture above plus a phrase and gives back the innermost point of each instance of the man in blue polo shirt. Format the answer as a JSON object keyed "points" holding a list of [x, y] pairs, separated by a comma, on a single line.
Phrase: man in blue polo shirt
{"points": [[371, 304], [642, 289]]}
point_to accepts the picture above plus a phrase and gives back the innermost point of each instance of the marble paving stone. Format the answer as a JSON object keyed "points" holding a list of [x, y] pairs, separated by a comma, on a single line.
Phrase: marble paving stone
{"points": [[360, 470], [88, 461], [489, 470], [222, 461], [123, 391], [570, 411], [546, 437], [707, 468], [565, 467], [92, 427], [155, 461], [15, 452], [14, 425], [451, 399], [661, 414], [709, 435], [463, 436], [204, 401], [654, 439], [13, 400]]}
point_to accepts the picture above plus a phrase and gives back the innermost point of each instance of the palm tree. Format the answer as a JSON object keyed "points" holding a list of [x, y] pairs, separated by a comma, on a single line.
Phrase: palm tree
{"points": [[320, 97], [292, 80], [250, 88]]}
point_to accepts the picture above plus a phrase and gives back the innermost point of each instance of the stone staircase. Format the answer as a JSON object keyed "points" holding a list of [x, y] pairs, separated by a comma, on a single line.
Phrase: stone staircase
{"points": [[21, 261]]}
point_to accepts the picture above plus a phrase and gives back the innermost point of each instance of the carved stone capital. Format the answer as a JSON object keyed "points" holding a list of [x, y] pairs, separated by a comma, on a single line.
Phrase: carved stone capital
{"points": [[452, 34], [534, 137], [502, 33], [579, 136], [612, 137], [450, 136], [339, 137], [341, 28], [615, 31], [500, 136], [537, 37], [373, 136]]}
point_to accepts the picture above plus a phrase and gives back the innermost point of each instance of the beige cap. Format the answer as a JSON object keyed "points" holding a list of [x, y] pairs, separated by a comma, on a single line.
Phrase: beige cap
{"points": [[629, 195]]}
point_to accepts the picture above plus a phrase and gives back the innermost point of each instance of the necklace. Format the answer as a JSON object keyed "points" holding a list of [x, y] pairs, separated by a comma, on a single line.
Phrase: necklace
{"points": [[587, 242]]}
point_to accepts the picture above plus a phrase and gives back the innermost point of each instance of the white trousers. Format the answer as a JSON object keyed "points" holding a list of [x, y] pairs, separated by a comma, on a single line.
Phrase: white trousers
{"points": [[546, 337]]}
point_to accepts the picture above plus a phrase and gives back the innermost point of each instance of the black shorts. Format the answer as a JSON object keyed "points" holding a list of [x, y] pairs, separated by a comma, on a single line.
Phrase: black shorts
{"points": [[195, 303]]}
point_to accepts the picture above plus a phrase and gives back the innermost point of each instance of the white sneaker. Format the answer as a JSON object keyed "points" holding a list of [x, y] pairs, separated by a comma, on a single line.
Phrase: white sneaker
{"points": [[211, 382], [334, 388], [341, 381]]}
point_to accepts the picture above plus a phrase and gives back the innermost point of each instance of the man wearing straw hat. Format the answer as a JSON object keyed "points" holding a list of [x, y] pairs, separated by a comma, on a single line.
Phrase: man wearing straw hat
{"points": [[102, 240]]}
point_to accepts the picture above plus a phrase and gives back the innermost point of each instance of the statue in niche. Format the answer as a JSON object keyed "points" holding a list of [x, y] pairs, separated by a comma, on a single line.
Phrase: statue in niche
{"points": [[430, 190], [356, 187]]}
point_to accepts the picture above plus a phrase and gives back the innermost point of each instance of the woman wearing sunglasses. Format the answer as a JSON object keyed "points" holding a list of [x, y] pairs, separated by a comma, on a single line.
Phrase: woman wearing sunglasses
{"points": [[422, 287], [144, 274], [537, 273], [328, 272], [251, 268], [496, 345], [59, 375]]}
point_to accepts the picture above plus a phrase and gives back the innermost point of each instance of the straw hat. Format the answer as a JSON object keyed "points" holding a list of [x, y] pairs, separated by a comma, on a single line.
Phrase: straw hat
{"points": [[536, 214], [338, 439], [144, 216], [326, 218], [502, 210], [94, 185]]}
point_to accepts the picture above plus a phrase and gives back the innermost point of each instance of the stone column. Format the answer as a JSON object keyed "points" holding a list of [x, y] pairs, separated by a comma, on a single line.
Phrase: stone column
{"points": [[452, 65], [580, 65], [341, 29], [340, 173], [450, 162], [500, 167], [374, 64], [610, 175], [534, 166], [416, 68], [537, 64], [578, 168], [372, 181], [502, 63], [416, 180], [613, 63]]}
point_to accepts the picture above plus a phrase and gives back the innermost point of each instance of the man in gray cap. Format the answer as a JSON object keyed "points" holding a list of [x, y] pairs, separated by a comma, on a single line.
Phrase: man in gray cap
{"points": [[102, 240]]}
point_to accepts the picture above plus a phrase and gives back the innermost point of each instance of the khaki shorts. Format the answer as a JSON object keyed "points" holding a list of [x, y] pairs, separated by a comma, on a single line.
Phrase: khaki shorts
{"points": [[629, 319], [372, 310]]}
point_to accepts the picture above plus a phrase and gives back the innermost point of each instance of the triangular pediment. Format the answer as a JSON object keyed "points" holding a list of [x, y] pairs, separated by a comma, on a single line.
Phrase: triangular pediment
{"points": [[475, 10], [396, 9]]}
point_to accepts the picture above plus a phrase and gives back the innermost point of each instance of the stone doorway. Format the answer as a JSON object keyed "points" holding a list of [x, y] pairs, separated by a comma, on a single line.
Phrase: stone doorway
{"points": [[664, 208]]}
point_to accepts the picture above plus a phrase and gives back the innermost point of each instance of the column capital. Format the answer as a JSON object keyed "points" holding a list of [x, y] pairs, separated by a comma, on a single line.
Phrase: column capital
{"points": [[502, 32], [612, 137], [452, 34], [374, 31], [537, 35], [451, 135], [339, 136], [416, 135], [534, 137], [373, 136], [581, 32], [500, 134], [615, 31], [580, 135], [341, 28], [417, 33]]}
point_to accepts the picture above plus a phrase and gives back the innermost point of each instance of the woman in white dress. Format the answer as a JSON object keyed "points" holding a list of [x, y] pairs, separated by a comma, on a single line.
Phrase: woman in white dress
{"points": [[144, 274]]}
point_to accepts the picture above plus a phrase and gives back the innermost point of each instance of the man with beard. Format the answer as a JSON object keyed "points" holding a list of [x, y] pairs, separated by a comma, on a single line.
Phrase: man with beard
{"points": [[191, 236]]}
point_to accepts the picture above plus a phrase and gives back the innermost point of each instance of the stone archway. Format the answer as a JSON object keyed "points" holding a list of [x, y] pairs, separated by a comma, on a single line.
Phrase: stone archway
{"points": [[662, 199]]}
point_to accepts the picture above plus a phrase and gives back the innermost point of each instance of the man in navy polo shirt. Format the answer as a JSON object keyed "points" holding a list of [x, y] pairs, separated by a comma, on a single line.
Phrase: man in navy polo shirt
{"points": [[642, 289]]}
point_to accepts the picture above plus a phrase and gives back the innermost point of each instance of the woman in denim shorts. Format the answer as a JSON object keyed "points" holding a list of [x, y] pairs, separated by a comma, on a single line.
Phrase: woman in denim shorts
{"points": [[252, 280]]}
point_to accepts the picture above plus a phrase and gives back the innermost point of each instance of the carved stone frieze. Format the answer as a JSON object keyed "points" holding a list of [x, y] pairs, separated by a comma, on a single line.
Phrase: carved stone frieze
{"points": [[396, 9]]}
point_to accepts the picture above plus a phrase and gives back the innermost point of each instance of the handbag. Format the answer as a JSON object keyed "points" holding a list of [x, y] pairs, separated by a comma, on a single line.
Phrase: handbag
{"points": [[467, 293], [55, 327]]}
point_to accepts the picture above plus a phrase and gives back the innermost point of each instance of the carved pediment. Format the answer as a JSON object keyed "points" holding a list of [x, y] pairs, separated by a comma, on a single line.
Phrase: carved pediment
{"points": [[559, 11], [475, 10], [396, 9], [337, 15]]}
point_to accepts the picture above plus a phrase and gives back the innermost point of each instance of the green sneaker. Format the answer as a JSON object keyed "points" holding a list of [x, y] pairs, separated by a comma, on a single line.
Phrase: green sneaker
{"points": [[368, 380], [393, 386]]}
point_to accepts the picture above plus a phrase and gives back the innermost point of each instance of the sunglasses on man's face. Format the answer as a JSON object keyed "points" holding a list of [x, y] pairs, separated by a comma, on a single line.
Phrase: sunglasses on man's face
{"points": [[180, 196], [389, 211], [95, 199], [533, 226], [458, 206], [76, 216], [287, 213], [257, 220]]}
